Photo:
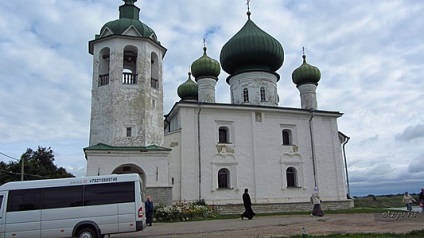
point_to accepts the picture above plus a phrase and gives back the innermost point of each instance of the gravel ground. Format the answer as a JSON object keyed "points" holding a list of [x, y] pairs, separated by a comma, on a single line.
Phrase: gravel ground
{"points": [[285, 226]]}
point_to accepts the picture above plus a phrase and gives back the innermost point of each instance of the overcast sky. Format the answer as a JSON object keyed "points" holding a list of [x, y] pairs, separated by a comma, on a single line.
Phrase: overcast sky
{"points": [[370, 53]]}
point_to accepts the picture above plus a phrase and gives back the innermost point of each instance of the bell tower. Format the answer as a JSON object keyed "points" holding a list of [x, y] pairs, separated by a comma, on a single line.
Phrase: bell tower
{"points": [[127, 87]]}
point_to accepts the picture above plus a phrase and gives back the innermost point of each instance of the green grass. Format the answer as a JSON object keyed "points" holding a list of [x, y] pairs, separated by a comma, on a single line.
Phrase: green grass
{"points": [[385, 201], [412, 234]]}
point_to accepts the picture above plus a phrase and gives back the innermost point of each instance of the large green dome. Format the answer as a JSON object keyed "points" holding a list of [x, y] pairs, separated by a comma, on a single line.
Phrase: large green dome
{"points": [[251, 49], [128, 17], [306, 74], [205, 67], [188, 90]]}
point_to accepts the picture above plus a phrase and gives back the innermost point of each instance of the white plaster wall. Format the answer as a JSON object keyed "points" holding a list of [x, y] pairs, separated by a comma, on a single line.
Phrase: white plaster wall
{"points": [[154, 164], [116, 106], [256, 157], [173, 141], [308, 96], [253, 81], [206, 89]]}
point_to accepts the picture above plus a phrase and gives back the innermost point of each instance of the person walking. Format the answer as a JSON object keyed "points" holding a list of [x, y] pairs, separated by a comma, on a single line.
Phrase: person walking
{"points": [[421, 200], [248, 213], [316, 200], [408, 200], [148, 205]]}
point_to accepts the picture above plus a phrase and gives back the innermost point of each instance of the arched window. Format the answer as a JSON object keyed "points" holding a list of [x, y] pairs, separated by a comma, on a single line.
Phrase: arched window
{"points": [[223, 135], [223, 178], [245, 95], [154, 80], [287, 137], [104, 62], [291, 177], [129, 65], [263, 94]]}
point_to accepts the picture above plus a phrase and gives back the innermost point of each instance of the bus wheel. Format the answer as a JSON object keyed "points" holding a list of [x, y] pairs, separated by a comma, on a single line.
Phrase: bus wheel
{"points": [[87, 233]]}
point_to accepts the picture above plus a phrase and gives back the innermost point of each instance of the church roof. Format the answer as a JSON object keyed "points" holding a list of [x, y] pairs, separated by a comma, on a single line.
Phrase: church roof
{"points": [[233, 107], [205, 66], [306, 74], [128, 19], [102, 146], [188, 90], [251, 49]]}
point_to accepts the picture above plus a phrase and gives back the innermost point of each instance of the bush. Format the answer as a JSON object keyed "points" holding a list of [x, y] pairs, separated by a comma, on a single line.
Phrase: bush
{"points": [[183, 212]]}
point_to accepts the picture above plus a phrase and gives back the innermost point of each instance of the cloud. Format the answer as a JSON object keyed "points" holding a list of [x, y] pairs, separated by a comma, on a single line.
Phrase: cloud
{"points": [[369, 55], [411, 133]]}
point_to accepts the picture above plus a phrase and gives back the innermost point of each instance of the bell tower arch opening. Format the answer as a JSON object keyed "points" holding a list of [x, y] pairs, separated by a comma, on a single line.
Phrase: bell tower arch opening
{"points": [[131, 168]]}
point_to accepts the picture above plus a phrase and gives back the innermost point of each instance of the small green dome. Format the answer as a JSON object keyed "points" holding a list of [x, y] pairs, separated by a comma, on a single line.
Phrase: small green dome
{"points": [[188, 90], [306, 74], [251, 49], [129, 16], [205, 67]]}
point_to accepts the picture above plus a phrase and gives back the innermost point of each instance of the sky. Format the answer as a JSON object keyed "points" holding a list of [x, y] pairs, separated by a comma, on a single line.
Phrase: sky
{"points": [[370, 54]]}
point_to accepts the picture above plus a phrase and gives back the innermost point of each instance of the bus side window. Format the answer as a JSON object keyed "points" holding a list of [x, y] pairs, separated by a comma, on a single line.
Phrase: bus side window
{"points": [[24, 200]]}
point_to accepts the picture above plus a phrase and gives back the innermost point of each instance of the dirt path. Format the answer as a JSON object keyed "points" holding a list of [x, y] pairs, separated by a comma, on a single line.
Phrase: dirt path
{"points": [[285, 226]]}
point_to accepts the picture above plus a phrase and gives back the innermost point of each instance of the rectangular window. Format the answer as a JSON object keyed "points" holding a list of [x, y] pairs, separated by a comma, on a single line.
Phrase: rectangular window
{"points": [[245, 95], [70, 196], [263, 94], [100, 194], [63, 197], [129, 130], [24, 200], [154, 83]]}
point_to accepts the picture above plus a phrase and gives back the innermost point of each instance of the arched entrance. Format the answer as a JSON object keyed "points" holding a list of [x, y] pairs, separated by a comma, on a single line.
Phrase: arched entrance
{"points": [[129, 169]]}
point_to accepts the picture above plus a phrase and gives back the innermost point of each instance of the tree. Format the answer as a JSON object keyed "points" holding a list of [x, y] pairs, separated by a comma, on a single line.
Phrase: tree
{"points": [[37, 165]]}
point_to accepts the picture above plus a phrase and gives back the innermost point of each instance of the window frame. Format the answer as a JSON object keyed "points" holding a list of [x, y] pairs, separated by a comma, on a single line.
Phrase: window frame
{"points": [[223, 178], [245, 95]]}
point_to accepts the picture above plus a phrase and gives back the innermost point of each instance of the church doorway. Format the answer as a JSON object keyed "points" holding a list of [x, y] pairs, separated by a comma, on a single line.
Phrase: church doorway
{"points": [[131, 168]]}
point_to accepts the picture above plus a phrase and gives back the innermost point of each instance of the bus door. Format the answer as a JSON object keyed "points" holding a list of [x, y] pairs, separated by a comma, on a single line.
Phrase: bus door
{"points": [[2, 214]]}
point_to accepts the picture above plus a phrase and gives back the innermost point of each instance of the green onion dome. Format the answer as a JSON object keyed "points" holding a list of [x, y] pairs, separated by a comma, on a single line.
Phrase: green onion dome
{"points": [[129, 17], [306, 74], [205, 67], [188, 90], [251, 49]]}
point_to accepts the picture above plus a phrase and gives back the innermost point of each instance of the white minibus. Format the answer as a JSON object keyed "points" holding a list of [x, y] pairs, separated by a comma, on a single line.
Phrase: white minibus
{"points": [[85, 207]]}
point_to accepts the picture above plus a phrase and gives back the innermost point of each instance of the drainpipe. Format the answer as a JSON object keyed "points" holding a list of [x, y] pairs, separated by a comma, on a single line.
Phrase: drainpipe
{"points": [[312, 147], [168, 122], [345, 161], [198, 149]]}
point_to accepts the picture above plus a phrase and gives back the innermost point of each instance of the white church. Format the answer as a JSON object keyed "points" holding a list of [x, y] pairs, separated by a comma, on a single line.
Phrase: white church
{"points": [[203, 150]]}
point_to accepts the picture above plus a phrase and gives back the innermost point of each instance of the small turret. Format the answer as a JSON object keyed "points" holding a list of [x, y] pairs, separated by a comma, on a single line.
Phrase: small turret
{"points": [[188, 91], [205, 71], [306, 78]]}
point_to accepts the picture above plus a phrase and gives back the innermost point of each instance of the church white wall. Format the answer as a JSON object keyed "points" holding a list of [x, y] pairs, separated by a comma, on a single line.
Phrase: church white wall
{"points": [[256, 157], [332, 185], [154, 165], [173, 141]]}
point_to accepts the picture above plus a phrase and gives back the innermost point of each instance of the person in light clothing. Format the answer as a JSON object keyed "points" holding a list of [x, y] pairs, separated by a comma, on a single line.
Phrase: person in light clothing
{"points": [[316, 200], [408, 200]]}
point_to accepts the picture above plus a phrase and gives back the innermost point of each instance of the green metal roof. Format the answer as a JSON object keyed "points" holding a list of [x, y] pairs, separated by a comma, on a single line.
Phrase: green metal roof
{"points": [[205, 67], [251, 49], [188, 90], [306, 74], [129, 17]]}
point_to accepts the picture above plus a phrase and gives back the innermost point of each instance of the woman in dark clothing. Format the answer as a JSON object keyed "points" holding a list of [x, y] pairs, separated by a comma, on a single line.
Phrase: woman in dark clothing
{"points": [[247, 206], [421, 200], [149, 211]]}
